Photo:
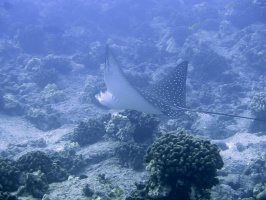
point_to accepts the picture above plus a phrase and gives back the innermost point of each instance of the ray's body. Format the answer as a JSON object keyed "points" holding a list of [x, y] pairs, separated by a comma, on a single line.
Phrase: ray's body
{"points": [[168, 96]]}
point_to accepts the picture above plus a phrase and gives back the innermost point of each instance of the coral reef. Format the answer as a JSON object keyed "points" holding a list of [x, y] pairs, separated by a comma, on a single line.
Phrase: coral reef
{"points": [[258, 109], [92, 86], [60, 64], [120, 128], [257, 178], [134, 130], [10, 101], [259, 191], [139, 193], [88, 132], [88, 192], [145, 125], [51, 94], [33, 64], [8, 50], [44, 76], [46, 71], [106, 190], [1, 100], [35, 185], [258, 105], [132, 126], [181, 167], [37, 160], [81, 58], [7, 196], [11, 104], [9, 175], [32, 172], [69, 160], [206, 61], [131, 155], [43, 118], [240, 9]]}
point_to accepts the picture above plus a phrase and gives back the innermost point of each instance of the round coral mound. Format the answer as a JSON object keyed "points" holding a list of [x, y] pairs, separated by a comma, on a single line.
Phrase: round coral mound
{"points": [[180, 165], [37, 160], [9, 175]]}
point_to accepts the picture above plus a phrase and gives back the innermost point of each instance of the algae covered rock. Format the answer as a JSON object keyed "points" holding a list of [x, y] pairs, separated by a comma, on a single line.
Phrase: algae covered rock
{"points": [[180, 164]]}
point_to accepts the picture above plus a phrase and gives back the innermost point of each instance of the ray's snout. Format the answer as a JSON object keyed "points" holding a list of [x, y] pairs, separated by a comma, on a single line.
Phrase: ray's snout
{"points": [[104, 98]]}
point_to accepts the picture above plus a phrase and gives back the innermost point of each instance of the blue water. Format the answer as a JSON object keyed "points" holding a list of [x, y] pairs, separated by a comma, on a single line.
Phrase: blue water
{"points": [[52, 54], [221, 40]]}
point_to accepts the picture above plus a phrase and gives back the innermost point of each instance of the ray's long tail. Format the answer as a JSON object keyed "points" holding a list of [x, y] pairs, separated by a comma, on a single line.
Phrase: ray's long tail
{"points": [[221, 114]]}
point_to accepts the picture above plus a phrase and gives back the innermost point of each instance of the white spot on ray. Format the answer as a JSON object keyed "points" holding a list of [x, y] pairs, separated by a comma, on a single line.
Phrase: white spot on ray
{"points": [[169, 92]]}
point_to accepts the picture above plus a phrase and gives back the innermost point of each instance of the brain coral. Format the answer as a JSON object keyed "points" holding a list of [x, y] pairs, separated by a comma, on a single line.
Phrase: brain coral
{"points": [[179, 164]]}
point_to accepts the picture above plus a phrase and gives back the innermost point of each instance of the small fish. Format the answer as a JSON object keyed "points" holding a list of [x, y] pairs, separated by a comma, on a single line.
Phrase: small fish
{"points": [[167, 97]]}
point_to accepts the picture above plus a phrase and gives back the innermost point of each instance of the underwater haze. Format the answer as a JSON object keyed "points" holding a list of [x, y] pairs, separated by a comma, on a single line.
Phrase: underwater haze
{"points": [[75, 76]]}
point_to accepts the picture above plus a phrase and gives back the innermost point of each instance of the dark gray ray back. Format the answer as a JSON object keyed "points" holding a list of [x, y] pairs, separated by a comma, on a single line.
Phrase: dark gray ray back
{"points": [[170, 92]]}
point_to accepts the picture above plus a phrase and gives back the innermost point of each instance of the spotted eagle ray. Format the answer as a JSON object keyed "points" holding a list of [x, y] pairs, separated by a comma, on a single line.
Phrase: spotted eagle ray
{"points": [[167, 97]]}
